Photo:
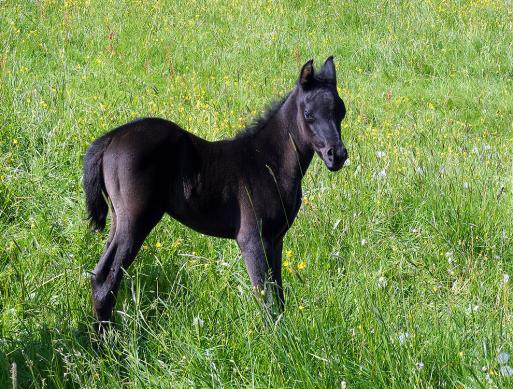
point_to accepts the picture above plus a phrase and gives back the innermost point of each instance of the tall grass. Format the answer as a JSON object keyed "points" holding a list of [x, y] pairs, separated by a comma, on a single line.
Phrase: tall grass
{"points": [[397, 267]]}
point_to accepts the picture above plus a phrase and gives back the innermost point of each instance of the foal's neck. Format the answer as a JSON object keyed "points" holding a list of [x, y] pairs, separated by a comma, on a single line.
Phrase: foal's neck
{"points": [[282, 134]]}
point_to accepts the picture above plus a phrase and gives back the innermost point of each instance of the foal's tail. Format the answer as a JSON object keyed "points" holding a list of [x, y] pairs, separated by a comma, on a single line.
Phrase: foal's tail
{"points": [[94, 186]]}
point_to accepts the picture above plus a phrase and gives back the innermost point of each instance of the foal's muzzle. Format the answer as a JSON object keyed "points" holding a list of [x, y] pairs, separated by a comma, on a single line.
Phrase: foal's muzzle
{"points": [[334, 156]]}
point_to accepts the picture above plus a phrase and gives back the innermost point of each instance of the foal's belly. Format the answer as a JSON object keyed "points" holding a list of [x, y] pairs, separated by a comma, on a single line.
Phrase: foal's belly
{"points": [[214, 222]]}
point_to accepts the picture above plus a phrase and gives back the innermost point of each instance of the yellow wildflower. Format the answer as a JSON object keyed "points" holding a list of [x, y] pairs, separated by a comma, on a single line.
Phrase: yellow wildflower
{"points": [[301, 265], [158, 245], [176, 243]]}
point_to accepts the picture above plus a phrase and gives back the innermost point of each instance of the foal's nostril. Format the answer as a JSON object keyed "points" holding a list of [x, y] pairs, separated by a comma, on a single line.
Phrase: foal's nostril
{"points": [[330, 152]]}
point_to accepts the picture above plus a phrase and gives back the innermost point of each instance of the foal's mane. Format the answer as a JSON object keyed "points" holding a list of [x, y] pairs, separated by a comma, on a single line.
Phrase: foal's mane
{"points": [[260, 121]]}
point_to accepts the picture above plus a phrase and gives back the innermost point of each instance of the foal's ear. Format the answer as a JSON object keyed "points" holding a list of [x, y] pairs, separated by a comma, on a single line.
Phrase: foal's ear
{"points": [[306, 75], [328, 71]]}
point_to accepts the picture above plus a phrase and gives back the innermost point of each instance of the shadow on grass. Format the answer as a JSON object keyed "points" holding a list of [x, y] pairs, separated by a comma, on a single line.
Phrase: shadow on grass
{"points": [[41, 356]]}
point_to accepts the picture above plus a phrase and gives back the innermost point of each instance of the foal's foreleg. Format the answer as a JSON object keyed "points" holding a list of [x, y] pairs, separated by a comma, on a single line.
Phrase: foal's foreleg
{"points": [[276, 272], [258, 253]]}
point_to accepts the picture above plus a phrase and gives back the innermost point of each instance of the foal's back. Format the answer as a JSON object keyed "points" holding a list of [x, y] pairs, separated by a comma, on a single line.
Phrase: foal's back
{"points": [[152, 166]]}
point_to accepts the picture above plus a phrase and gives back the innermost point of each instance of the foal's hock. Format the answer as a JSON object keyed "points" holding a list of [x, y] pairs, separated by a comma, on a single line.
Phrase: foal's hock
{"points": [[247, 188]]}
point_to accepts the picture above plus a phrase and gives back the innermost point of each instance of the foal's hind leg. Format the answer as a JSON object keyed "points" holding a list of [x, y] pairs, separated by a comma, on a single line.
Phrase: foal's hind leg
{"points": [[112, 231], [128, 238]]}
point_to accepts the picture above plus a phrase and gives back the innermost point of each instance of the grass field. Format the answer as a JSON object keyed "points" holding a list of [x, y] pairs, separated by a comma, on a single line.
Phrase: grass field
{"points": [[398, 266]]}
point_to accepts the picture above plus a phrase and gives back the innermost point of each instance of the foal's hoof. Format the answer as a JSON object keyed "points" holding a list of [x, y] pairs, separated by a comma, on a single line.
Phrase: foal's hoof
{"points": [[273, 311], [102, 321], [102, 315], [101, 327], [98, 337], [274, 319]]}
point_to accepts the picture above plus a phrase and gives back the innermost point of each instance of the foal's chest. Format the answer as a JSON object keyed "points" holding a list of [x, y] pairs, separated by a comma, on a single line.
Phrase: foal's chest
{"points": [[279, 208]]}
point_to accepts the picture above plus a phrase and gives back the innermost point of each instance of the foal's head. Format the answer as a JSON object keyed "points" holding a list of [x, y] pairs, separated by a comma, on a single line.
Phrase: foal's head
{"points": [[320, 111]]}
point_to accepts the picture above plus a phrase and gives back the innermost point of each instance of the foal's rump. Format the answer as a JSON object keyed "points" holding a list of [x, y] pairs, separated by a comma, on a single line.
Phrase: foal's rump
{"points": [[114, 162]]}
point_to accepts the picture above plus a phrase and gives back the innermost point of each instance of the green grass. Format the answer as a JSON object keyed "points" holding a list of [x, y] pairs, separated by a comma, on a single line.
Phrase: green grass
{"points": [[406, 249]]}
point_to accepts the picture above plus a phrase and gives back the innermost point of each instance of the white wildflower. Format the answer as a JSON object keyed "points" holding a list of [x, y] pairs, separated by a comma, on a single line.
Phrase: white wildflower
{"points": [[381, 174], [506, 371], [403, 337], [503, 358], [198, 322], [382, 282], [472, 308]]}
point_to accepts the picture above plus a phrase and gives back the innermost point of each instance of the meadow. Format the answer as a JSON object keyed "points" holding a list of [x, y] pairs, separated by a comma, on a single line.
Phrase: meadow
{"points": [[398, 269]]}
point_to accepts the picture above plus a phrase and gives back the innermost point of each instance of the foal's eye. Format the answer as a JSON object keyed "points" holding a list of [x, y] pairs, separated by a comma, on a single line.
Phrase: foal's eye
{"points": [[308, 116]]}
